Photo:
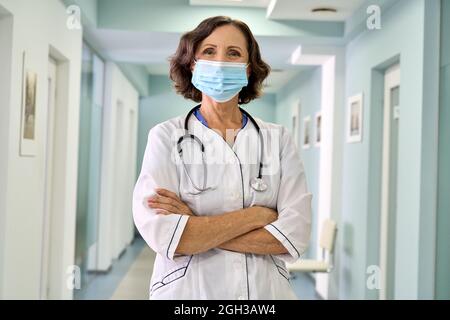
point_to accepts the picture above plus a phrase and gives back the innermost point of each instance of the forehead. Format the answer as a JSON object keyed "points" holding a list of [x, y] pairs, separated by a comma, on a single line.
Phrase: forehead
{"points": [[227, 35]]}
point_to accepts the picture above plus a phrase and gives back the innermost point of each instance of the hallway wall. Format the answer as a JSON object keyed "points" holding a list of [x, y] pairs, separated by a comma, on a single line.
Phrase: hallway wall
{"points": [[6, 25], [306, 89], [39, 29], [163, 103], [443, 214], [401, 38], [89, 162], [118, 166]]}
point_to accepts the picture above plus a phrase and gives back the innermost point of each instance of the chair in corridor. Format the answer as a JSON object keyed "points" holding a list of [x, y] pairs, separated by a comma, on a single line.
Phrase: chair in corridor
{"points": [[327, 239]]}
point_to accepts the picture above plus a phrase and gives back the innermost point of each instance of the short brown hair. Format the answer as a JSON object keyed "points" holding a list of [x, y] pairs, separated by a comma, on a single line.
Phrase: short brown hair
{"points": [[180, 62]]}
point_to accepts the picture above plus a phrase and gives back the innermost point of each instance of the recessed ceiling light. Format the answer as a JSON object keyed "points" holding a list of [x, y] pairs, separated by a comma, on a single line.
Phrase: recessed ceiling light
{"points": [[324, 10]]}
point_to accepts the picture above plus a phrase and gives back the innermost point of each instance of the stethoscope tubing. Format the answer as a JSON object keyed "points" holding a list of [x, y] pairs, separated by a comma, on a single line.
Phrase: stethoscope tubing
{"points": [[202, 147]]}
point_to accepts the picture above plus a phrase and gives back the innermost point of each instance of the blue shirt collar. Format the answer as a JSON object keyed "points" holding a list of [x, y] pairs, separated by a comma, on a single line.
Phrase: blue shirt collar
{"points": [[200, 118]]}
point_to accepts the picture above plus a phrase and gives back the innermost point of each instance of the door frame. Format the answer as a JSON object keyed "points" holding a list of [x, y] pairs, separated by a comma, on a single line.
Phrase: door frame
{"points": [[64, 274], [47, 232], [392, 80]]}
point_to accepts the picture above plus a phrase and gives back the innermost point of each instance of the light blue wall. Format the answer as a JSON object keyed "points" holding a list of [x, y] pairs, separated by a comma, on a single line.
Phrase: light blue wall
{"points": [[163, 103], [368, 54], [357, 23], [89, 159], [137, 75], [443, 214], [88, 11], [306, 89]]}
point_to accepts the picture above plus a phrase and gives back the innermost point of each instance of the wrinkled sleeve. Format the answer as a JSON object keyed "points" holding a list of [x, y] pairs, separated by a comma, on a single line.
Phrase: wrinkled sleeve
{"points": [[293, 226], [161, 232]]}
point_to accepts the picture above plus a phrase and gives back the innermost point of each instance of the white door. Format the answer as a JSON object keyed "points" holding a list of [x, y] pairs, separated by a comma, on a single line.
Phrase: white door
{"points": [[47, 264], [389, 181]]}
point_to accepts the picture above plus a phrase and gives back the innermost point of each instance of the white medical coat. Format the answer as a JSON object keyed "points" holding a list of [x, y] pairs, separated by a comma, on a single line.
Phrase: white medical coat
{"points": [[217, 273]]}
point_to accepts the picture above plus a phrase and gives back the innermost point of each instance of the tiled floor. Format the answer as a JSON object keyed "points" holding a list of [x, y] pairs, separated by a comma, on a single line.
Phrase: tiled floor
{"points": [[103, 286], [134, 286], [129, 278], [304, 286]]}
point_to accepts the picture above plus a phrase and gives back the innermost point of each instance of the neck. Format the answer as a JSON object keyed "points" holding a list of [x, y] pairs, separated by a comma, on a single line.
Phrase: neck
{"points": [[221, 115]]}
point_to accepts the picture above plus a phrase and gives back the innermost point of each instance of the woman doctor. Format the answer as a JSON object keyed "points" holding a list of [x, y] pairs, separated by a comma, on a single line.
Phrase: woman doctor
{"points": [[221, 197]]}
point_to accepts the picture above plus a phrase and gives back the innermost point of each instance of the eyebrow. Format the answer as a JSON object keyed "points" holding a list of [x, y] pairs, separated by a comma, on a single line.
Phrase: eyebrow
{"points": [[213, 45]]}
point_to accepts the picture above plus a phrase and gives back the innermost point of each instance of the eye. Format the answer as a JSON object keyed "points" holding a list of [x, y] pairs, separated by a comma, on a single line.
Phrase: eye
{"points": [[235, 53], [208, 51]]}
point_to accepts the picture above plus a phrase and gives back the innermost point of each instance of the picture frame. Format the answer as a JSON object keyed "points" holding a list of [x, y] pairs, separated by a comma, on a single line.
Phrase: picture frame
{"points": [[318, 129], [307, 132], [355, 118], [28, 142], [295, 121]]}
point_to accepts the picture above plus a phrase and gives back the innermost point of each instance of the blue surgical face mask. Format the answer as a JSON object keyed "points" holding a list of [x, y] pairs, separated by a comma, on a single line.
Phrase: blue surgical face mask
{"points": [[219, 80]]}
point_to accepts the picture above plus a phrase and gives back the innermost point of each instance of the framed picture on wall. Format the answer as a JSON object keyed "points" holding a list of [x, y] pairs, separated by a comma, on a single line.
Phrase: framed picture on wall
{"points": [[354, 118], [28, 110], [318, 129], [306, 132], [295, 120]]}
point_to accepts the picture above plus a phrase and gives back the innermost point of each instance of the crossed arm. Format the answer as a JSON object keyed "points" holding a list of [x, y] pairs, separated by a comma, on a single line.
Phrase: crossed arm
{"points": [[240, 231]]}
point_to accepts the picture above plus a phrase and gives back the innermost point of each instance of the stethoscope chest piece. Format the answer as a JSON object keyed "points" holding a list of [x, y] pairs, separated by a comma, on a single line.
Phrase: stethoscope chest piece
{"points": [[258, 184]]}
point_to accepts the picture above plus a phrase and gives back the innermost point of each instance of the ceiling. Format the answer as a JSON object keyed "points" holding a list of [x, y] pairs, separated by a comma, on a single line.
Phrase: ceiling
{"points": [[293, 9], [302, 9], [152, 49], [136, 46], [237, 3]]}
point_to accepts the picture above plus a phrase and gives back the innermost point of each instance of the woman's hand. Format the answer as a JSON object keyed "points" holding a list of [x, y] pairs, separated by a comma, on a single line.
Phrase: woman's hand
{"points": [[167, 202]]}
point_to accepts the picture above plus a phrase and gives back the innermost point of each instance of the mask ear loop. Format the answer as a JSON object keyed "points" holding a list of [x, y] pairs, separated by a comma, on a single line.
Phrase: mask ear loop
{"points": [[195, 63], [239, 99]]}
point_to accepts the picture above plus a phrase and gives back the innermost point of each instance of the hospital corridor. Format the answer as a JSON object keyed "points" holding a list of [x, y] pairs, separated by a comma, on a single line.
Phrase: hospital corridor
{"points": [[225, 149]]}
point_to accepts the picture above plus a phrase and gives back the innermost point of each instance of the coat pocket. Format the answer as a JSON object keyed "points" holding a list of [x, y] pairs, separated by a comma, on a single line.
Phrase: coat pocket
{"points": [[172, 274], [281, 268]]}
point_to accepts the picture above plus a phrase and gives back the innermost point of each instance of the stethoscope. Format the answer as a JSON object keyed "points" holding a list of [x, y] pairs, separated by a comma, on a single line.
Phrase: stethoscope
{"points": [[257, 183]]}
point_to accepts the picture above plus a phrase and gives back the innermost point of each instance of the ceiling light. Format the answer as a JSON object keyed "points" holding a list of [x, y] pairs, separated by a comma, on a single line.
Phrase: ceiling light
{"points": [[323, 10]]}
